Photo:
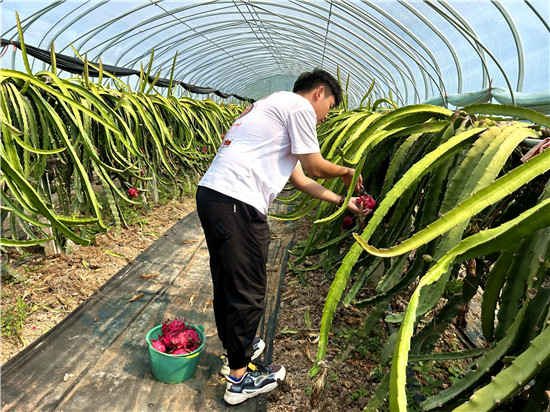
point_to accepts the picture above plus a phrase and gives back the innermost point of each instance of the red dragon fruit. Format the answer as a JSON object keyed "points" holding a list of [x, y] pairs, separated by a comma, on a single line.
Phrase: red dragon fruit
{"points": [[159, 346], [181, 352], [366, 201], [133, 192]]}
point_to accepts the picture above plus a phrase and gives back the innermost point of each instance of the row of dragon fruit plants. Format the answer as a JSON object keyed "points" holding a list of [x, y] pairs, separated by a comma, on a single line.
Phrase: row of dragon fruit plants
{"points": [[60, 137], [463, 207]]}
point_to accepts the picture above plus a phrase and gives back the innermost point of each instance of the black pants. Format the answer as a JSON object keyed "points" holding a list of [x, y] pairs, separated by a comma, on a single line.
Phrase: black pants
{"points": [[238, 239]]}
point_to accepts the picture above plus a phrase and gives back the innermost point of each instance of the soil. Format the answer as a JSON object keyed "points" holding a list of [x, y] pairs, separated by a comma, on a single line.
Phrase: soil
{"points": [[56, 285], [340, 385]]}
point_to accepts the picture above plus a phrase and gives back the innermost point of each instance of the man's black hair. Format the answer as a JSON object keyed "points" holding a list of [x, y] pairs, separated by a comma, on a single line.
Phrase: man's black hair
{"points": [[310, 80]]}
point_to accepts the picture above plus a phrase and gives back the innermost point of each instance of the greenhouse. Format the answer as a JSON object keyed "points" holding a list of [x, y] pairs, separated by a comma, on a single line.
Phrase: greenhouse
{"points": [[430, 120]]}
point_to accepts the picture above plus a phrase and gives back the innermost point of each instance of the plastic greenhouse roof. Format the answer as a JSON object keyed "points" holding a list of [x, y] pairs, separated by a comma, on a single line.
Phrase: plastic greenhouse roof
{"points": [[439, 52]]}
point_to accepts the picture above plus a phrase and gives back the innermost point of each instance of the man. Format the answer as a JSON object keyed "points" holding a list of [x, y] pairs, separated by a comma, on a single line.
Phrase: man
{"points": [[273, 141]]}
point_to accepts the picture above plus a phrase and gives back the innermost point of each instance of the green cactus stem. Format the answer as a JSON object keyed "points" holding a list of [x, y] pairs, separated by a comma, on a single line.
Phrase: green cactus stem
{"points": [[512, 379]]}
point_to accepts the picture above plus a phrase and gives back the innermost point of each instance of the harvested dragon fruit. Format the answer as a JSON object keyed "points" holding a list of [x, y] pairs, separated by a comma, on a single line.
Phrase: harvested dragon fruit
{"points": [[159, 346], [177, 337], [181, 351]]}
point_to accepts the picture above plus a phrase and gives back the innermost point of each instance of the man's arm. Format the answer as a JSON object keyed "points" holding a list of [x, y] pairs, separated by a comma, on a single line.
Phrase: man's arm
{"points": [[318, 167], [310, 187]]}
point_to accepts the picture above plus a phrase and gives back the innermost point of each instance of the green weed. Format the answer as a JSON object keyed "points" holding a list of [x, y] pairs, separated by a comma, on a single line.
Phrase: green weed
{"points": [[361, 393], [430, 385], [13, 318]]}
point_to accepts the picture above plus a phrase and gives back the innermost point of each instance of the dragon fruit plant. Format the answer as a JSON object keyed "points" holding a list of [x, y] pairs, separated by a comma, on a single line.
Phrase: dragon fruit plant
{"points": [[177, 337]]}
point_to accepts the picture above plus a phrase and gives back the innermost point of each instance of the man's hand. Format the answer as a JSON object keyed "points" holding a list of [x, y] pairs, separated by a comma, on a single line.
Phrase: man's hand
{"points": [[348, 177], [352, 206], [309, 186]]}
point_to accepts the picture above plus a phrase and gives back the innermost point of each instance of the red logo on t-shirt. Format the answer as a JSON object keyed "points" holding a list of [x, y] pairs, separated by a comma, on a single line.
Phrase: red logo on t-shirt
{"points": [[246, 111]]}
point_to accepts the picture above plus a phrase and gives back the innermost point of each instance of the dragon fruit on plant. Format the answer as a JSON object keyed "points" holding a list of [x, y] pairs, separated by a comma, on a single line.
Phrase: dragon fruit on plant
{"points": [[366, 202], [348, 222]]}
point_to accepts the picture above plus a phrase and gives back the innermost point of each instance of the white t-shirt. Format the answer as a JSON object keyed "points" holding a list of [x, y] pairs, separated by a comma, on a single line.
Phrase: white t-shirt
{"points": [[261, 149]]}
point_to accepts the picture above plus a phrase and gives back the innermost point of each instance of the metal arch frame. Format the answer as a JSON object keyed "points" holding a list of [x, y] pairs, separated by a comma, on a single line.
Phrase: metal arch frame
{"points": [[470, 38], [120, 39], [174, 23], [212, 62], [544, 22], [471, 30], [381, 53], [354, 59], [517, 40], [166, 45], [60, 31], [389, 36], [172, 13], [478, 50], [306, 29], [264, 34], [466, 30], [268, 69], [132, 31], [358, 36], [26, 23], [90, 33], [167, 48], [339, 58], [444, 39], [326, 34], [403, 49], [422, 69], [396, 40], [255, 79], [413, 36]]}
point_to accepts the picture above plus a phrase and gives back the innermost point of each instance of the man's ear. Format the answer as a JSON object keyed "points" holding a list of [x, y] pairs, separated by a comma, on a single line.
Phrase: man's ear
{"points": [[319, 92]]}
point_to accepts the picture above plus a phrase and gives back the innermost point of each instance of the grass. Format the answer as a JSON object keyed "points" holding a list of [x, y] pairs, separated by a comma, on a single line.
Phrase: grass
{"points": [[13, 317]]}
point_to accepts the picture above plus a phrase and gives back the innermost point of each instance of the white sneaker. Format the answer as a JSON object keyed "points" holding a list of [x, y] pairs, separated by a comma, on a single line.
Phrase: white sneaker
{"points": [[256, 380], [257, 344]]}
